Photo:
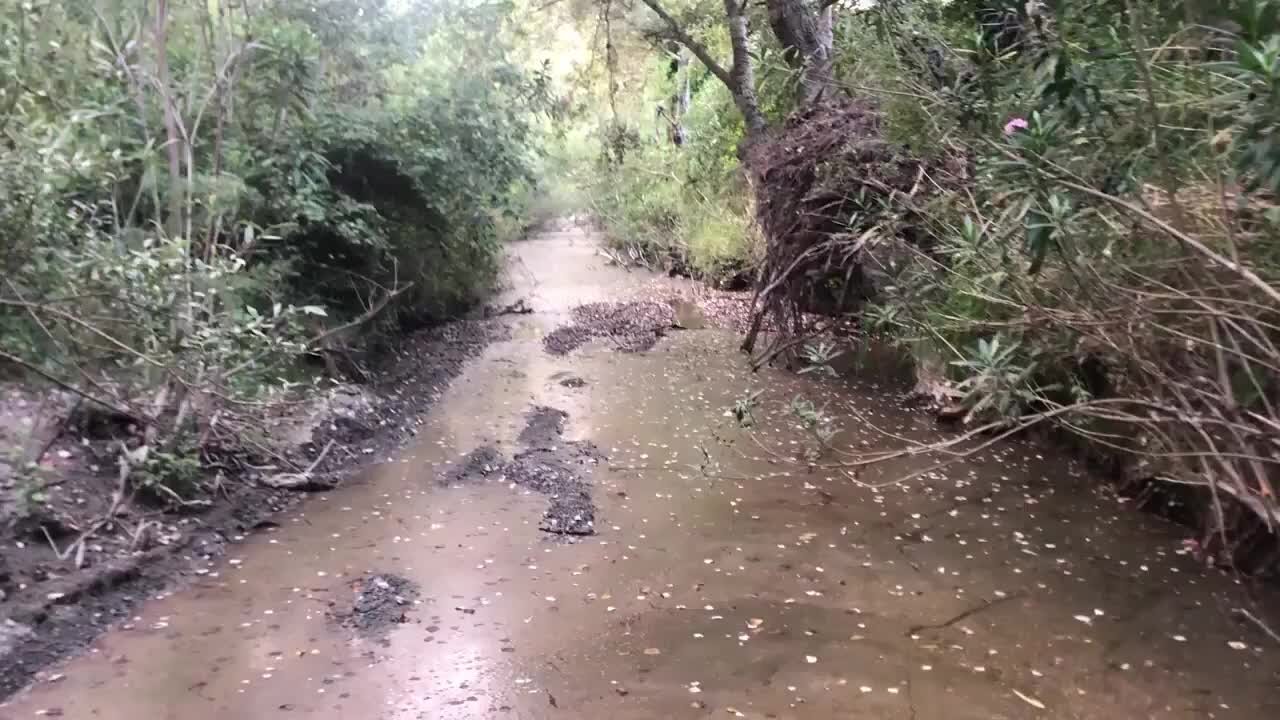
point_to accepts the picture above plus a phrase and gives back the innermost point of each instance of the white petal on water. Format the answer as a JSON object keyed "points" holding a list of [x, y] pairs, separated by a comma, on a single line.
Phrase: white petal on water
{"points": [[1029, 700]]}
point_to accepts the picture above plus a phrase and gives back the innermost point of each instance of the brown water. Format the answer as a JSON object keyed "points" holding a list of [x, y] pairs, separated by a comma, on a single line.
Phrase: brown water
{"points": [[740, 587]]}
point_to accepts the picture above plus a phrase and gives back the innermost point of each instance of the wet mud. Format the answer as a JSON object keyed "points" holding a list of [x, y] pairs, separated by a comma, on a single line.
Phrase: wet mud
{"points": [[381, 602]]}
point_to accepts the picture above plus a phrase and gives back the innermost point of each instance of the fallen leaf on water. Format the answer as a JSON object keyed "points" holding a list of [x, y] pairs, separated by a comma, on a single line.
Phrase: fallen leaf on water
{"points": [[1029, 700]]}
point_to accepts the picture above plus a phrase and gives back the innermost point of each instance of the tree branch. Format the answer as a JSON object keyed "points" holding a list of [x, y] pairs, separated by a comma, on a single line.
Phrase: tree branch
{"points": [[698, 49], [126, 412], [1066, 180], [364, 318]]}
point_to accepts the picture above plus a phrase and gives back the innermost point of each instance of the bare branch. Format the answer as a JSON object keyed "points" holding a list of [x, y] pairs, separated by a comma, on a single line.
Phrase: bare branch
{"points": [[698, 49], [368, 315], [71, 388], [1207, 252]]}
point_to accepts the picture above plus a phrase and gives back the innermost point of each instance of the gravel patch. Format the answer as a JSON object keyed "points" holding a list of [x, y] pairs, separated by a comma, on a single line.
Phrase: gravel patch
{"points": [[381, 602], [630, 326]]}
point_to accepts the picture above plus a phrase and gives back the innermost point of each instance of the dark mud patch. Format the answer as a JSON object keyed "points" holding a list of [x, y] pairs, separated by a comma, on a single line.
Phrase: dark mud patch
{"points": [[478, 464], [554, 467], [565, 339], [50, 609], [543, 426], [549, 465], [628, 326], [569, 381], [381, 601], [557, 473]]}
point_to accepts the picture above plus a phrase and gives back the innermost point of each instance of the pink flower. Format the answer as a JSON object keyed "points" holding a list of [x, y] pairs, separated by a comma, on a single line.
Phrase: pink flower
{"points": [[1015, 125]]}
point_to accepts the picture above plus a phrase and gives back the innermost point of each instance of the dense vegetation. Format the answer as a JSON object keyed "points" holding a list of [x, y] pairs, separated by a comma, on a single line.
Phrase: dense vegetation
{"points": [[194, 195], [1064, 211]]}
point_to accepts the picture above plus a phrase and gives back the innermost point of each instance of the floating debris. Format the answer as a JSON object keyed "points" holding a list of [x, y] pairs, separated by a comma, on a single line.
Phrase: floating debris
{"points": [[1029, 700]]}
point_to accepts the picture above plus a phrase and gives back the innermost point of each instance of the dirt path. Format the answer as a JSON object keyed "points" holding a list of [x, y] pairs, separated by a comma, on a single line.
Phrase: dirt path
{"points": [[717, 583]]}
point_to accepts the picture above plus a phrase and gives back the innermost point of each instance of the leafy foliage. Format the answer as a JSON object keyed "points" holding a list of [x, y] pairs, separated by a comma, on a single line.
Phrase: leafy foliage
{"points": [[1120, 218], [194, 194]]}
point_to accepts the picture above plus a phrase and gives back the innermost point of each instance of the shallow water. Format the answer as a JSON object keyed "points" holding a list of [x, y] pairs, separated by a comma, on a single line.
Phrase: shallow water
{"points": [[722, 581]]}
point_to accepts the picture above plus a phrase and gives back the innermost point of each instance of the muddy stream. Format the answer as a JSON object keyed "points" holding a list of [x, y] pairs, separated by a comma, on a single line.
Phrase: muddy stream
{"points": [[718, 582]]}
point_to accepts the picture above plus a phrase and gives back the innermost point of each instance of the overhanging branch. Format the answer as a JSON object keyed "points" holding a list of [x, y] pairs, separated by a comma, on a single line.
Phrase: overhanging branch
{"points": [[698, 49]]}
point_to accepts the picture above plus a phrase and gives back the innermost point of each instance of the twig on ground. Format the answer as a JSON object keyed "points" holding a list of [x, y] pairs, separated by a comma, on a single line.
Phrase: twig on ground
{"points": [[305, 475], [986, 605], [1258, 621]]}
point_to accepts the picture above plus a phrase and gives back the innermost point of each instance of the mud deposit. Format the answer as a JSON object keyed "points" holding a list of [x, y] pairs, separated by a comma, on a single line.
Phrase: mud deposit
{"points": [[381, 602], [628, 326], [549, 465]]}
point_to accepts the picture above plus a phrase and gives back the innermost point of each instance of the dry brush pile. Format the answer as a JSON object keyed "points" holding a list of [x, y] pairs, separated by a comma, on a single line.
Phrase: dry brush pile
{"points": [[840, 204]]}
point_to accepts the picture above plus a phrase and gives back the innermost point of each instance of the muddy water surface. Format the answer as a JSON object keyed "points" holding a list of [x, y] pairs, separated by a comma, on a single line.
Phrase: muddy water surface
{"points": [[720, 581]]}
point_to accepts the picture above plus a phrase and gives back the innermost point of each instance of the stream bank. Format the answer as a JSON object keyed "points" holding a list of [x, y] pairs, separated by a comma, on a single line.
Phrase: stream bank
{"points": [[52, 606]]}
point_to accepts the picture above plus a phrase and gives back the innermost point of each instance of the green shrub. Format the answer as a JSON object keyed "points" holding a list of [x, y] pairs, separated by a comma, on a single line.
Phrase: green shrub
{"points": [[678, 206]]}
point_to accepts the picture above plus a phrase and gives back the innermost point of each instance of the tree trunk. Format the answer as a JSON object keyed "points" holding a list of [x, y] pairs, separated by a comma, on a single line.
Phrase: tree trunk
{"points": [[174, 223], [740, 77], [679, 103], [742, 73], [806, 34]]}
